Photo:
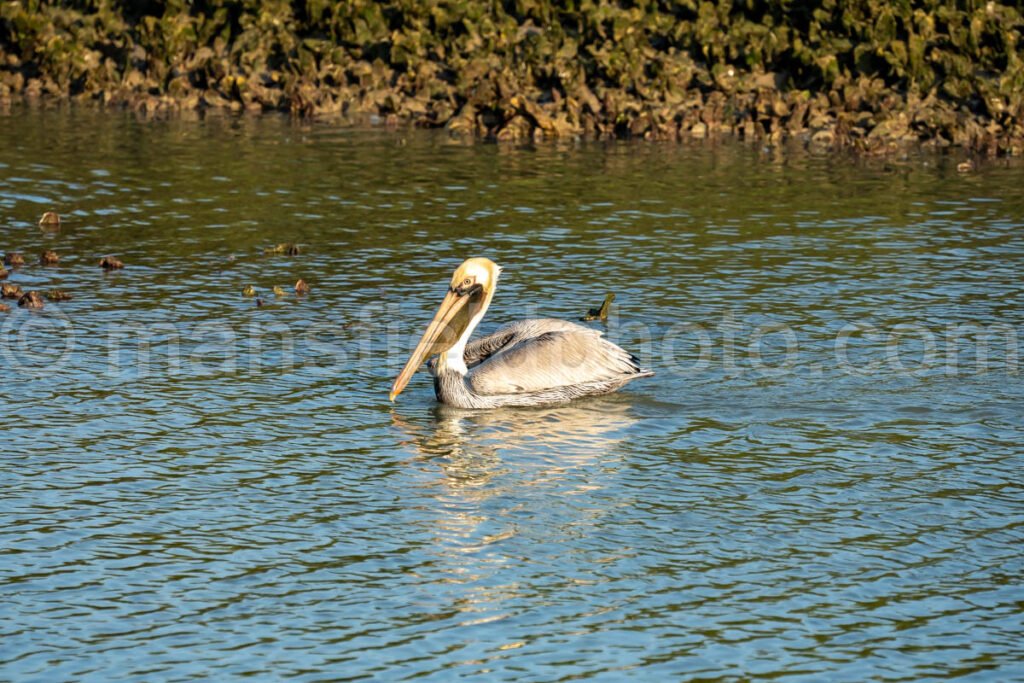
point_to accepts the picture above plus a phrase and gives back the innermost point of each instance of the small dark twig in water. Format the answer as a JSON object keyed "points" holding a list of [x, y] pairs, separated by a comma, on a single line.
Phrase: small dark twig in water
{"points": [[602, 312], [31, 300], [286, 248], [10, 291], [50, 219], [111, 263]]}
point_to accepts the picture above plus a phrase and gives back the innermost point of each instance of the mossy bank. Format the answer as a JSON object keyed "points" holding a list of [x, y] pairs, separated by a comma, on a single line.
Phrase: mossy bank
{"points": [[869, 75]]}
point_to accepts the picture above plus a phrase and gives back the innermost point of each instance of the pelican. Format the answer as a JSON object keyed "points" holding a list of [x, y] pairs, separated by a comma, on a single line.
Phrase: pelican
{"points": [[525, 363]]}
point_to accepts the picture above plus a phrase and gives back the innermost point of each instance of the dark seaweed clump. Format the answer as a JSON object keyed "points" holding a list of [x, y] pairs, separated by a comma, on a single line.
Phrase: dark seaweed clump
{"points": [[865, 74]]}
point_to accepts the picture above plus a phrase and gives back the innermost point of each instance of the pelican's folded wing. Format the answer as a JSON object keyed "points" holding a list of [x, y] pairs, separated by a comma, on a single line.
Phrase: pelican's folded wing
{"points": [[480, 350], [551, 354]]}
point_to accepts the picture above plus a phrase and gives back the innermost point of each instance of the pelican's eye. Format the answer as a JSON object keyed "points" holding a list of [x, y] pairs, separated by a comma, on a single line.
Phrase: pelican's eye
{"points": [[467, 285]]}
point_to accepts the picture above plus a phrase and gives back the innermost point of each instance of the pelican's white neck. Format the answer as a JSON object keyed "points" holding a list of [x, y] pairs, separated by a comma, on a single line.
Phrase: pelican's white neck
{"points": [[454, 358]]}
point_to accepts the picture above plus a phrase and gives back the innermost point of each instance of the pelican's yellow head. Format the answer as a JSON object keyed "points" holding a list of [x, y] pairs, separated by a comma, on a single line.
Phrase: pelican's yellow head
{"points": [[476, 271], [468, 297]]}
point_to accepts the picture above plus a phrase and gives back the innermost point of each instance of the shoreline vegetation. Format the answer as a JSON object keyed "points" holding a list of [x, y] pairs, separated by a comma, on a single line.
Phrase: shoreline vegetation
{"points": [[865, 75]]}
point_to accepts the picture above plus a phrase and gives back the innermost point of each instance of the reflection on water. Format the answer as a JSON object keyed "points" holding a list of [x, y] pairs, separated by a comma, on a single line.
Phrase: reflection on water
{"points": [[489, 476], [470, 458], [822, 479], [547, 433]]}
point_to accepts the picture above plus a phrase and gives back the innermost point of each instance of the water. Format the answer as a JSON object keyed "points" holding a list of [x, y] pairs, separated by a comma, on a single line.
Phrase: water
{"points": [[821, 482]]}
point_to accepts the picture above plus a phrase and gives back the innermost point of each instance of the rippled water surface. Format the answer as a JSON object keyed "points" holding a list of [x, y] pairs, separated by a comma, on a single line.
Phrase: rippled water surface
{"points": [[822, 482]]}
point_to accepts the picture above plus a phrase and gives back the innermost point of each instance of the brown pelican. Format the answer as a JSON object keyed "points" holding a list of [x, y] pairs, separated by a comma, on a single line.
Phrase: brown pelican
{"points": [[525, 363]]}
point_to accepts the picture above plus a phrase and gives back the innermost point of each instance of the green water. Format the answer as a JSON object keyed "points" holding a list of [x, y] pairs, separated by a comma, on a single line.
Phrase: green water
{"points": [[822, 482]]}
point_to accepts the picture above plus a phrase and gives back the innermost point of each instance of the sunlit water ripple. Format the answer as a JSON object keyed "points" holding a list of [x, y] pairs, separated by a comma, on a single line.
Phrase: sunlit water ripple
{"points": [[197, 487]]}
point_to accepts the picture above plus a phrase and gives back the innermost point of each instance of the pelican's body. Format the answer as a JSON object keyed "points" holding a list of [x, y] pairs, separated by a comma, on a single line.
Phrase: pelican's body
{"points": [[525, 363]]}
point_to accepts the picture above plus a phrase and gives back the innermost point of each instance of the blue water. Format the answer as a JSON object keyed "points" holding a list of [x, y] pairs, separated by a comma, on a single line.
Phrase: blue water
{"points": [[822, 482]]}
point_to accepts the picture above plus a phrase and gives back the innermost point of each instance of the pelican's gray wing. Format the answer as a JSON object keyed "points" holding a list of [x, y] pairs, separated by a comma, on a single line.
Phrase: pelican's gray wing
{"points": [[508, 335], [546, 354], [480, 350]]}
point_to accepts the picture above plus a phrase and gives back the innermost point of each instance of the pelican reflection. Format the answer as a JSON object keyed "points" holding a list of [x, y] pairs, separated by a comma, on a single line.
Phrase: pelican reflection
{"points": [[506, 492]]}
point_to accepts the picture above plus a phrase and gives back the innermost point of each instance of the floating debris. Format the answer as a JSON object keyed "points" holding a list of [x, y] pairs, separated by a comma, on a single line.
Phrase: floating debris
{"points": [[49, 258], [14, 259], [10, 291], [602, 312], [111, 263], [286, 248], [301, 287], [248, 290], [50, 219], [259, 302], [31, 300], [58, 295], [279, 291]]}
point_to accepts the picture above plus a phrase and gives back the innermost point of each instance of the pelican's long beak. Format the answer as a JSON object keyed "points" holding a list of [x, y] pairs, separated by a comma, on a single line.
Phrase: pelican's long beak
{"points": [[448, 325]]}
